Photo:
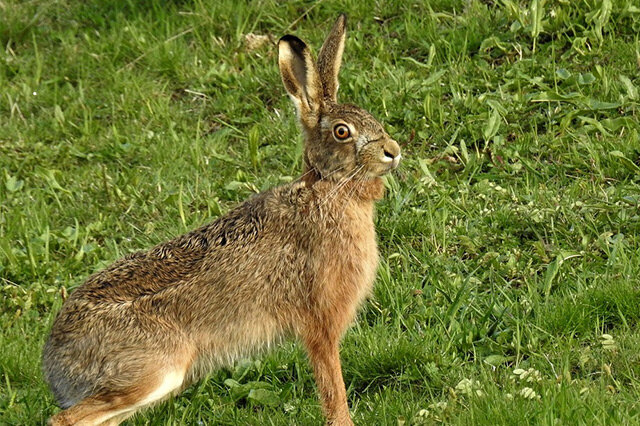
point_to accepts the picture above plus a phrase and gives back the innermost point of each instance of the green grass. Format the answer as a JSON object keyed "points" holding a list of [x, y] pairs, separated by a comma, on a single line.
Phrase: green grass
{"points": [[510, 236]]}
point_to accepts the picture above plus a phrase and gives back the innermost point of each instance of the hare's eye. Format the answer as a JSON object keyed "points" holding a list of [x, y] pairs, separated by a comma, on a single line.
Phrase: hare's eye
{"points": [[341, 132]]}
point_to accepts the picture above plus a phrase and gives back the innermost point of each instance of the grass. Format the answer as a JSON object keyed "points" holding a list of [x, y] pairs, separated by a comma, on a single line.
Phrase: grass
{"points": [[509, 286]]}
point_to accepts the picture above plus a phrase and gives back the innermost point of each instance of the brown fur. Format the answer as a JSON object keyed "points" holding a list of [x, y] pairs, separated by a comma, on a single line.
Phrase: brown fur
{"points": [[330, 57], [295, 260]]}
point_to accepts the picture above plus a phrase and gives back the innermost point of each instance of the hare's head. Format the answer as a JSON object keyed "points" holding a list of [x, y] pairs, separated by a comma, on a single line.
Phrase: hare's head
{"points": [[341, 140]]}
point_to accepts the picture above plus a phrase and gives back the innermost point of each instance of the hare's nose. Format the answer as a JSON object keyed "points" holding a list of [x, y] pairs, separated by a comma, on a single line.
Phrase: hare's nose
{"points": [[391, 152]]}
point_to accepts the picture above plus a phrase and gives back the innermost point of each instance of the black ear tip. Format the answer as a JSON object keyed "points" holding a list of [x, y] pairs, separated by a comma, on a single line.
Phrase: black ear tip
{"points": [[291, 39], [296, 44]]}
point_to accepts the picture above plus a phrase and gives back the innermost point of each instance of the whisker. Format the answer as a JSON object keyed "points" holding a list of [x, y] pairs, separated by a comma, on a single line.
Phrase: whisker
{"points": [[335, 191], [333, 172], [323, 177], [305, 173], [356, 184]]}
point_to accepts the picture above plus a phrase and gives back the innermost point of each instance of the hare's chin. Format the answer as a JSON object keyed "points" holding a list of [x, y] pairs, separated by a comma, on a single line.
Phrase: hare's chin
{"points": [[381, 170], [392, 163]]}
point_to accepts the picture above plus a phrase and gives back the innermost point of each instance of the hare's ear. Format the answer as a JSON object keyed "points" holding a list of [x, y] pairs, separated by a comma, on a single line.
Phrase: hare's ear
{"points": [[330, 58], [300, 78]]}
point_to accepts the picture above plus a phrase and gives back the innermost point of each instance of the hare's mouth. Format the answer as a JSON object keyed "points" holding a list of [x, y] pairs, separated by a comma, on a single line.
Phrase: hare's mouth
{"points": [[388, 156], [392, 162], [381, 168]]}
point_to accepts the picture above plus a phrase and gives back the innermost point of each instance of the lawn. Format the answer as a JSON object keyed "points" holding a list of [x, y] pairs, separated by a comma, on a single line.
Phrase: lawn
{"points": [[509, 285]]}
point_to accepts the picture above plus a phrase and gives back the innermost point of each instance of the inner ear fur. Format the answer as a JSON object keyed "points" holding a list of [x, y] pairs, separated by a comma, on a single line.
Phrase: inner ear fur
{"points": [[300, 78], [330, 58]]}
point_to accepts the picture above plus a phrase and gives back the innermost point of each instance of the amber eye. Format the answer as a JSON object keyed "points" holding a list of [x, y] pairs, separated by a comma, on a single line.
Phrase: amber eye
{"points": [[341, 132]]}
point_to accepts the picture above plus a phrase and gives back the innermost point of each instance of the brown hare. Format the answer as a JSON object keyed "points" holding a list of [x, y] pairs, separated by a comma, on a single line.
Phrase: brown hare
{"points": [[296, 260]]}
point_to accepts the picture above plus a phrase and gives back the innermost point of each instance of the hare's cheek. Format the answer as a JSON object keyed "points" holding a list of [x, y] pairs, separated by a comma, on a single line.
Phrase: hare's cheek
{"points": [[369, 162], [372, 161], [345, 154], [368, 154]]}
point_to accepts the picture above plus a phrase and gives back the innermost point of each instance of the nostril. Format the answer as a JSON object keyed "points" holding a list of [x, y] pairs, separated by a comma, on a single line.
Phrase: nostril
{"points": [[388, 154]]}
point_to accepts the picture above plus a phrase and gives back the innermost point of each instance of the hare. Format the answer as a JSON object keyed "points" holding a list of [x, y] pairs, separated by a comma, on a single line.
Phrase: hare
{"points": [[296, 260]]}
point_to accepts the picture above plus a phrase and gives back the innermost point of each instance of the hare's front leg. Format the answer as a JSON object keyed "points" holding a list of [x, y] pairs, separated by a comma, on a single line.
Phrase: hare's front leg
{"points": [[322, 348]]}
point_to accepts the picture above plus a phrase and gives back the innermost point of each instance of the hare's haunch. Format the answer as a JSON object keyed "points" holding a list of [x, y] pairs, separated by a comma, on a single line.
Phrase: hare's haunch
{"points": [[296, 260]]}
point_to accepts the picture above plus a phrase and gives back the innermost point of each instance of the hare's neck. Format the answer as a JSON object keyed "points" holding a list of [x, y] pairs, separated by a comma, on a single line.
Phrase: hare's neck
{"points": [[369, 190], [338, 192], [310, 176]]}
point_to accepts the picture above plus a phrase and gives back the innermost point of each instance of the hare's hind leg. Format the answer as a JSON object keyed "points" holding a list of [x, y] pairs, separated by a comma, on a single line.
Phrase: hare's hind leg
{"points": [[111, 408], [115, 421], [94, 410]]}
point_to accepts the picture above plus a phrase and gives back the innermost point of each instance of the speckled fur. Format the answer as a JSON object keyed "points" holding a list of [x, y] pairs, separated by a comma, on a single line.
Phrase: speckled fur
{"points": [[296, 260]]}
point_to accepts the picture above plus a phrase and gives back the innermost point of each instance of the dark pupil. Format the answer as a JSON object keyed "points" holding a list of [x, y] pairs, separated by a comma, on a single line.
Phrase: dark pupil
{"points": [[342, 132]]}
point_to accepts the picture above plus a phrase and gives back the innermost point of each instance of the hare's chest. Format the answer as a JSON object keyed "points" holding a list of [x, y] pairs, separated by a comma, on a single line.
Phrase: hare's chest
{"points": [[363, 259], [350, 260]]}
